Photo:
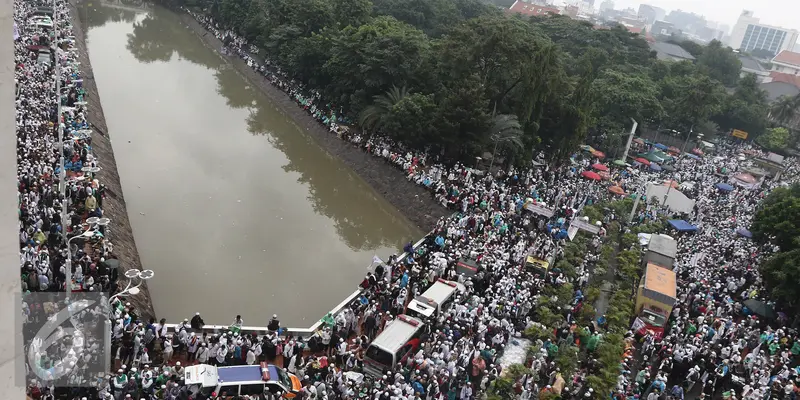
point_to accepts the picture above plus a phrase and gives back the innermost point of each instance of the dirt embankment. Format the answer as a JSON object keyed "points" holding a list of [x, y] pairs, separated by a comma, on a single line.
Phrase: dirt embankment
{"points": [[412, 200], [114, 203]]}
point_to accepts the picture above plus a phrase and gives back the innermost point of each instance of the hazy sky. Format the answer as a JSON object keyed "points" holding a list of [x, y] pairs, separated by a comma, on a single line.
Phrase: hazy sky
{"points": [[783, 13]]}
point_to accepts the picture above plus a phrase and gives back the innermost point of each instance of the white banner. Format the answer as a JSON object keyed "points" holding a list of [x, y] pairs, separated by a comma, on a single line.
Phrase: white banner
{"points": [[637, 324]]}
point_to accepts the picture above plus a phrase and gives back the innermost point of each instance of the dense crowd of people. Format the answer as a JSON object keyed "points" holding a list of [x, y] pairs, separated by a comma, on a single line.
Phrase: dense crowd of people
{"points": [[61, 222], [714, 343]]}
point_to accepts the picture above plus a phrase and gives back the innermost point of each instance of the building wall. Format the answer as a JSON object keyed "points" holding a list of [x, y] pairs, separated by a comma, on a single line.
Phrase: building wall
{"points": [[748, 34], [764, 37], [786, 69], [662, 28]]}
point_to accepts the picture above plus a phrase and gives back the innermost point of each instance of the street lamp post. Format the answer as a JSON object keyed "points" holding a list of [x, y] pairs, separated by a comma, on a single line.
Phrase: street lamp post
{"points": [[130, 289]]}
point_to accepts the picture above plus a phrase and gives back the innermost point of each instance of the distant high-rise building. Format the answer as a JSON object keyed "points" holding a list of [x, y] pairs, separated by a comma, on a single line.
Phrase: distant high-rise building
{"points": [[749, 34], [651, 14], [606, 5], [686, 21], [662, 28]]}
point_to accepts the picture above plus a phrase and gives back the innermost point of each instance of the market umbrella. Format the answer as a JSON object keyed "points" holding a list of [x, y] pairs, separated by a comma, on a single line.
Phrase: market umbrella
{"points": [[605, 175], [619, 163], [744, 232], [588, 148], [643, 161], [591, 175], [655, 167], [697, 151], [669, 168], [673, 149], [600, 167], [724, 187], [638, 141], [693, 156], [599, 154], [661, 146], [616, 190], [760, 308]]}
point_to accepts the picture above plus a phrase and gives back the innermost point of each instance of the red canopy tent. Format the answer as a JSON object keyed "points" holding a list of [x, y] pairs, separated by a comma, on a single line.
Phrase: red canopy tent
{"points": [[591, 175], [600, 167]]}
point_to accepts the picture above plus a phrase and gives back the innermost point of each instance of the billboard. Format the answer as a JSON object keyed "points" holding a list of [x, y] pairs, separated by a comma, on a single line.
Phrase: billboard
{"points": [[739, 134]]}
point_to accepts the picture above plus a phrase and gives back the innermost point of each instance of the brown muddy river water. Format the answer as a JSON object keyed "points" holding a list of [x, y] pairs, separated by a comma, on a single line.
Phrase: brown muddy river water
{"points": [[236, 209]]}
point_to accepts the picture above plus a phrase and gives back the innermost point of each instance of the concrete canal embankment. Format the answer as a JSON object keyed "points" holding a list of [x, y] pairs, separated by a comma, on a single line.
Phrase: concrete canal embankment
{"points": [[413, 201], [114, 204]]}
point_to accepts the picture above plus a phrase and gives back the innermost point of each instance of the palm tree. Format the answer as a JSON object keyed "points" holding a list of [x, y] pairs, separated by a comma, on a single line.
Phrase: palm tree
{"points": [[785, 109], [507, 129], [373, 115]]}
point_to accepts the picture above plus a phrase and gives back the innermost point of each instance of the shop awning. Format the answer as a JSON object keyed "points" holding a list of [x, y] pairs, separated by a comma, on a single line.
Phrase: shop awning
{"points": [[682, 225]]}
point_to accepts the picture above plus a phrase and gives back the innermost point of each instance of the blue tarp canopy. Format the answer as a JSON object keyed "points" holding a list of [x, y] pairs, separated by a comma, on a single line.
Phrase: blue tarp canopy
{"points": [[725, 187], [692, 156], [682, 225], [655, 167], [661, 146], [744, 232]]}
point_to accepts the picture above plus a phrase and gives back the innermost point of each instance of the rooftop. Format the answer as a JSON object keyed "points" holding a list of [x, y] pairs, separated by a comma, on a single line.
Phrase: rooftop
{"points": [[669, 51], [785, 78], [532, 9], [751, 64], [788, 57], [777, 89]]}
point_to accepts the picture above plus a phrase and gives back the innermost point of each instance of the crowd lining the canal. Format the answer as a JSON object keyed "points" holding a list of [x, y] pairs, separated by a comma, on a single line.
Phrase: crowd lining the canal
{"points": [[714, 346]]}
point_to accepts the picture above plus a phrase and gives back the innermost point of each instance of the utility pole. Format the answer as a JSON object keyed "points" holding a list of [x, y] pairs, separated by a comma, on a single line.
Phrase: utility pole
{"points": [[630, 140], [636, 203]]}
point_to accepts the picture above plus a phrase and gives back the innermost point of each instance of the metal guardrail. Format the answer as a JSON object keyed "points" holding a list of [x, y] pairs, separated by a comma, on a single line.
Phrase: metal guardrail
{"points": [[296, 332]]}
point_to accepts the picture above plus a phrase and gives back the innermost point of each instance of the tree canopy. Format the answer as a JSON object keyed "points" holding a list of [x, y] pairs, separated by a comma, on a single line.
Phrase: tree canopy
{"points": [[462, 61], [777, 221]]}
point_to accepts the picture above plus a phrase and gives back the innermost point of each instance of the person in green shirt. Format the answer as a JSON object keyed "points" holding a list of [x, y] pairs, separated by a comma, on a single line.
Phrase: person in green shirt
{"points": [[796, 348], [552, 350]]}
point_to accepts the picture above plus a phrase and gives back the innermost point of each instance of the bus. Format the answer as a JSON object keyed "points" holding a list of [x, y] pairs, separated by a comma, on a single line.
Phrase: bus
{"points": [[399, 340]]}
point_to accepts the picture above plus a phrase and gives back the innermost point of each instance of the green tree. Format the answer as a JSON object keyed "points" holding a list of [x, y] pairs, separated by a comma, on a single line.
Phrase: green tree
{"points": [[367, 60], [376, 115], [693, 48], [351, 12], [746, 109], [620, 96], [775, 139], [463, 120], [506, 130], [785, 109], [411, 120], [781, 274], [690, 100], [720, 63], [777, 219]]}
